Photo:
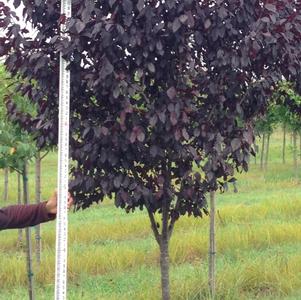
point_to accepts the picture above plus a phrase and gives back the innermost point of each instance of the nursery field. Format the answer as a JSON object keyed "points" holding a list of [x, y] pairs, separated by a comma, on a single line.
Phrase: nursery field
{"points": [[113, 255]]}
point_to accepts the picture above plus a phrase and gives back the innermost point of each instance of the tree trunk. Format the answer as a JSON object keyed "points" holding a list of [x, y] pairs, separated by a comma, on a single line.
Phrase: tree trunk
{"points": [[284, 143], [295, 154], [38, 200], [20, 233], [212, 246], [164, 264], [28, 237], [5, 194], [267, 151], [262, 152], [164, 253]]}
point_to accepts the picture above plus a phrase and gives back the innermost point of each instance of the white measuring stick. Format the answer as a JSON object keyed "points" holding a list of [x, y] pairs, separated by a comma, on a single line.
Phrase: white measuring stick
{"points": [[63, 171]]}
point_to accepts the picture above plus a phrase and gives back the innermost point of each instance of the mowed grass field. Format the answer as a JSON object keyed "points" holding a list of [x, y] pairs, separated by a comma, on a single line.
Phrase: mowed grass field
{"points": [[113, 255]]}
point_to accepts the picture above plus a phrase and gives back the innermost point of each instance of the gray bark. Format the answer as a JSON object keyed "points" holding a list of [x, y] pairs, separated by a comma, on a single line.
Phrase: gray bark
{"points": [[164, 253]]}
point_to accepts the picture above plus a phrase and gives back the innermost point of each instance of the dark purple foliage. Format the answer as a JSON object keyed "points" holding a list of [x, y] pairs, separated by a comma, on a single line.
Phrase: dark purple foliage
{"points": [[159, 89]]}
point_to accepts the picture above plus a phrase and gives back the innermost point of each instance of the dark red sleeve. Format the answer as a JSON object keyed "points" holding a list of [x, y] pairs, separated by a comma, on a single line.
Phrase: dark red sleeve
{"points": [[20, 216]]}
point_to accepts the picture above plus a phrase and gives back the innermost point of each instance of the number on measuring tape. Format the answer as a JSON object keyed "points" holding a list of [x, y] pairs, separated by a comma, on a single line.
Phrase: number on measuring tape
{"points": [[63, 171]]}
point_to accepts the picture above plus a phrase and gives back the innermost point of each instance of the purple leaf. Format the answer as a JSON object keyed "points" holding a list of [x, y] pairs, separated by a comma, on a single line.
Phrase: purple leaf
{"points": [[80, 26], [171, 92]]}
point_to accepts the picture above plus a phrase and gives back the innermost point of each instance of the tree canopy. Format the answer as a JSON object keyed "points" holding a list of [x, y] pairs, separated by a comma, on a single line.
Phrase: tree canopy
{"points": [[156, 86]]}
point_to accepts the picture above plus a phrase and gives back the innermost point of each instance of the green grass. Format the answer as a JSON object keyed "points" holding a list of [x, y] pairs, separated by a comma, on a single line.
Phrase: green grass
{"points": [[113, 255]]}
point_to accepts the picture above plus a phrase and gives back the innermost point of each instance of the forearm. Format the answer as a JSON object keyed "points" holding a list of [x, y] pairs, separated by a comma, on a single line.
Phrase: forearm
{"points": [[20, 216]]}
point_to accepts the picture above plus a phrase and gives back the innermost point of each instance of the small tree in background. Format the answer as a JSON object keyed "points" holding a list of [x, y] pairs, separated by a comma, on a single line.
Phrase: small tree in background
{"points": [[17, 148], [289, 115], [293, 118], [283, 116], [264, 128], [295, 127], [157, 88], [21, 106], [284, 109]]}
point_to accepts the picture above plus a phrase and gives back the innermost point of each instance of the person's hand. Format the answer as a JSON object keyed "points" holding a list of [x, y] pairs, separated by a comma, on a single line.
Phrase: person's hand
{"points": [[51, 205]]}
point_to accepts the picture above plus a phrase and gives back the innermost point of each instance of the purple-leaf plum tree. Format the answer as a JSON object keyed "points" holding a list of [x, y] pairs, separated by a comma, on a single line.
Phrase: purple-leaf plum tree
{"points": [[164, 94]]}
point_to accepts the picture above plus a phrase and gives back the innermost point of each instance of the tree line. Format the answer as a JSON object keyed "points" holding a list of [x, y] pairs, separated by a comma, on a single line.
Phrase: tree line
{"points": [[279, 115]]}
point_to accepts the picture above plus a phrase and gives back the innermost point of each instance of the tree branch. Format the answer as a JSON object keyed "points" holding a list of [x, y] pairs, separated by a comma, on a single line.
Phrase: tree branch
{"points": [[154, 226], [42, 157]]}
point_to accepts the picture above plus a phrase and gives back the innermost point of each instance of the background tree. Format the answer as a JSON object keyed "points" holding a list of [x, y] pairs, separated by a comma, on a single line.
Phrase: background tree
{"points": [[283, 115], [280, 113], [17, 147], [22, 107], [289, 115], [5, 83], [158, 87], [264, 128]]}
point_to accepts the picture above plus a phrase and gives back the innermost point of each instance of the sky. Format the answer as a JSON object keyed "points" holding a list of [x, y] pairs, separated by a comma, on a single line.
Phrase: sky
{"points": [[10, 4], [19, 14]]}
